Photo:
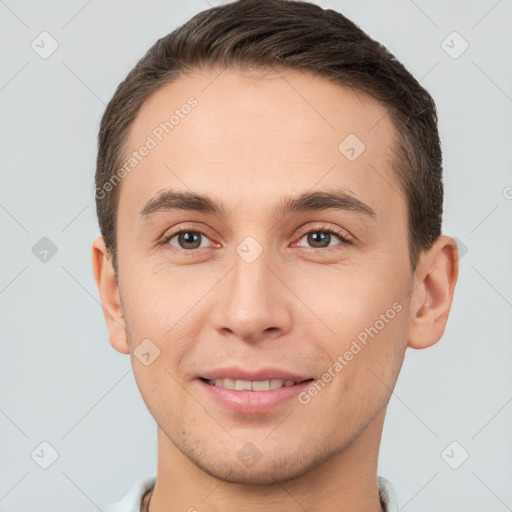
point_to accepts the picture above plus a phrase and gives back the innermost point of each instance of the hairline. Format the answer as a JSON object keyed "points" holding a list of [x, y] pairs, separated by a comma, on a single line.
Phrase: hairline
{"points": [[397, 151]]}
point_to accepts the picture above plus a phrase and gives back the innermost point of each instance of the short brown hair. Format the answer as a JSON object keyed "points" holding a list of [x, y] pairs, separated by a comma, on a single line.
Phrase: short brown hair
{"points": [[296, 35]]}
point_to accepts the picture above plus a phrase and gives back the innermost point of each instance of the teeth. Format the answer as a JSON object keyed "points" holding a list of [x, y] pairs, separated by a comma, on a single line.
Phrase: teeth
{"points": [[225, 383], [247, 385], [242, 385], [275, 383], [260, 385]]}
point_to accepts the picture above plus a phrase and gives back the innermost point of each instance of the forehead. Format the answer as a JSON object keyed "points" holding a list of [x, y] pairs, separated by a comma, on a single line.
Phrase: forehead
{"points": [[253, 135], [307, 106]]}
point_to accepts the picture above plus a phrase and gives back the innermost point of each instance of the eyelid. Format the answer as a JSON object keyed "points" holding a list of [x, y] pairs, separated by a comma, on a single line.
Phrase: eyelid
{"points": [[343, 234], [171, 233]]}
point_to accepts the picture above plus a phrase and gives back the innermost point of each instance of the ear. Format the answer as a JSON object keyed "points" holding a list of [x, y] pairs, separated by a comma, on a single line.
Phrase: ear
{"points": [[435, 279], [108, 288]]}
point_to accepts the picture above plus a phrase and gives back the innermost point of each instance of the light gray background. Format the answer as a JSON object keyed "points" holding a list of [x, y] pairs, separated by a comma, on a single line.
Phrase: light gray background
{"points": [[61, 382]]}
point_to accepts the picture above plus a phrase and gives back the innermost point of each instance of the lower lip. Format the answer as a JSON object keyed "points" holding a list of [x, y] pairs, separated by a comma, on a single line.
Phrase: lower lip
{"points": [[253, 402]]}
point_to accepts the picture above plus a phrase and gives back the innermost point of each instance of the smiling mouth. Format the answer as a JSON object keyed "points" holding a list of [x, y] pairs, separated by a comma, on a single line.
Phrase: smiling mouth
{"points": [[252, 385]]}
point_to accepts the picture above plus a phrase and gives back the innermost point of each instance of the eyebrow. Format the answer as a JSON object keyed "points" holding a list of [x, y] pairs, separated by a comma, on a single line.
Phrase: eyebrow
{"points": [[169, 200]]}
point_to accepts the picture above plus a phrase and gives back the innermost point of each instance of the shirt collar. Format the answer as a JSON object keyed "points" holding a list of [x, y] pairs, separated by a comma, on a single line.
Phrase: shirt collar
{"points": [[133, 499]]}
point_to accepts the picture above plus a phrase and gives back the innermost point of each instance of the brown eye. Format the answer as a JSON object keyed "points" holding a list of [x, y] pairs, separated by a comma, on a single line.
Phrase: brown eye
{"points": [[320, 239], [188, 240]]}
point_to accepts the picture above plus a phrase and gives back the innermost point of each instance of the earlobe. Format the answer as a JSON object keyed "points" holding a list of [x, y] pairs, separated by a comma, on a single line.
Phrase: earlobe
{"points": [[108, 289], [437, 274]]}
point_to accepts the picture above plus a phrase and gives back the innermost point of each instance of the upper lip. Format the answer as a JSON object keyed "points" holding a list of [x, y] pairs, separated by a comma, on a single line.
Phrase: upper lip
{"points": [[253, 375]]}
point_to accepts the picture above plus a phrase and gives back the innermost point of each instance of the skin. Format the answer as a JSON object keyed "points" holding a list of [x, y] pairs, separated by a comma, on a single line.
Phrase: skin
{"points": [[253, 139]]}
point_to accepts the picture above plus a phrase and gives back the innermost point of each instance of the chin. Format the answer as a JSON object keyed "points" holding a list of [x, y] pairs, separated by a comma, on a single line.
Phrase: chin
{"points": [[270, 468], [265, 474]]}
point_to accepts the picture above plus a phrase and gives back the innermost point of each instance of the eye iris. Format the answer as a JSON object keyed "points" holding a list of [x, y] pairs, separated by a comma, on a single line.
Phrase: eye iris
{"points": [[317, 238], [189, 240]]}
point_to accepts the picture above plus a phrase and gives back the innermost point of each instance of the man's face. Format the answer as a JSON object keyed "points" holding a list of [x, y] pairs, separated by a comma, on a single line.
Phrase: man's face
{"points": [[253, 288]]}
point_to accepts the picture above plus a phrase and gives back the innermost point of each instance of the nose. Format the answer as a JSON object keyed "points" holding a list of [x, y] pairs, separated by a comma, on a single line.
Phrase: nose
{"points": [[252, 303]]}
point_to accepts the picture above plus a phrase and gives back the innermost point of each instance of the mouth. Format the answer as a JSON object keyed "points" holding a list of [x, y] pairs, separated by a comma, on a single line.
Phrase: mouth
{"points": [[252, 385], [252, 397]]}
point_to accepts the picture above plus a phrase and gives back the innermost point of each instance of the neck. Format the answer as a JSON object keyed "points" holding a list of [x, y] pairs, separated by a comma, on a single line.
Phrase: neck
{"points": [[346, 481]]}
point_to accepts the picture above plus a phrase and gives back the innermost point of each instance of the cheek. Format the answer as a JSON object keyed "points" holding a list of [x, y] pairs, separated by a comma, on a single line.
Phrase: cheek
{"points": [[164, 319], [159, 389], [365, 320], [349, 300], [364, 362], [156, 302]]}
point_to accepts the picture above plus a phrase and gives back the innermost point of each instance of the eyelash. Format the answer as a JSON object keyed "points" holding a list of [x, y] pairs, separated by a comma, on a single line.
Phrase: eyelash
{"points": [[323, 228]]}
